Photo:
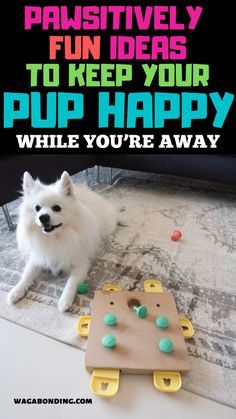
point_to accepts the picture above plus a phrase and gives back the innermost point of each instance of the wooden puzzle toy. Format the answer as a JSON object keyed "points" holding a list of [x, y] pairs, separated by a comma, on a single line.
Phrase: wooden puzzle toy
{"points": [[135, 332]]}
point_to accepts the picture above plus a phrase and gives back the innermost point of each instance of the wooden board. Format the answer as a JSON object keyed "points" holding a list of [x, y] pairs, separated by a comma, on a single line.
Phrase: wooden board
{"points": [[137, 349]]}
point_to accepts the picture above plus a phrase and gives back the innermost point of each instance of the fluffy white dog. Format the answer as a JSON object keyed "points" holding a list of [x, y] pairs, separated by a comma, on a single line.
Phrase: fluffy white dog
{"points": [[60, 228]]}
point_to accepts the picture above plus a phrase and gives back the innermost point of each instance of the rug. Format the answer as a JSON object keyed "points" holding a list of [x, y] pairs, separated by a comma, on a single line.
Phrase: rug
{"points": [[199, 269]]}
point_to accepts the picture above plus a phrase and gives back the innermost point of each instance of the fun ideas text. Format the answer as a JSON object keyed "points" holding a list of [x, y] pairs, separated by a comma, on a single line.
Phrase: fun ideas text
{"points": [[95, 56], [117, 141]]}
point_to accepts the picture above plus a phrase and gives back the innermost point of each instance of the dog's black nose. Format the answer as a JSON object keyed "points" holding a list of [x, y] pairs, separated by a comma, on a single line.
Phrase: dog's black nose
{"points": [[44, 218]]}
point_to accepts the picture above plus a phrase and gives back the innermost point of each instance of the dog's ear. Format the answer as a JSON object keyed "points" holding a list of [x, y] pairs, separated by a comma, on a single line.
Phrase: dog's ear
{"points": [[28, 183], [66, 184]]}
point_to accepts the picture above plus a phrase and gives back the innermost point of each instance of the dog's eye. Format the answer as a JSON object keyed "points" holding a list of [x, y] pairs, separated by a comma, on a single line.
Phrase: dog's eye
{"points": [[56, 208], [37, 208]]}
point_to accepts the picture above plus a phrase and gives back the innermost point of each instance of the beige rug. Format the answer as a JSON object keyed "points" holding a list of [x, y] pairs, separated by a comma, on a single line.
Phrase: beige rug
{"points": [[200, 270]]}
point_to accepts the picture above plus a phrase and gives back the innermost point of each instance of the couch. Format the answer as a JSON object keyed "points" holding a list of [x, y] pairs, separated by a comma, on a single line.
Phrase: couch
{"points": [[215, 168]]}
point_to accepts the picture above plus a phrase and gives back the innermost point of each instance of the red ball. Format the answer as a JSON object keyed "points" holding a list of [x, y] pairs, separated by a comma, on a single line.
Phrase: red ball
{"points": [[176, 235]]}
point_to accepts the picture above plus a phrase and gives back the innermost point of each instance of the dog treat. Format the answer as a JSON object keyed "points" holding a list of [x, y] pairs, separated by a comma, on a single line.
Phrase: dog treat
{"points": [[162, 322], [110, 319], [82, 288], [109, 341], [176, 235], [166, 345], [141, 311]]}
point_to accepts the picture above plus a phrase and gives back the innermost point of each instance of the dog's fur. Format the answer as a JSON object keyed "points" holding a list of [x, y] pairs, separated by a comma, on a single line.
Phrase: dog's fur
{"points": [[60, 228]]}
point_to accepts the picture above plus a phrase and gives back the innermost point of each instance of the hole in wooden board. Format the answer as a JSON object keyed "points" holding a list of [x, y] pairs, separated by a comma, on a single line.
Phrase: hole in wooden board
{"points": [[184, 327], [133, 302], [167, 382], [85, 325], [104, 386], [111, 302], [158, 305]]}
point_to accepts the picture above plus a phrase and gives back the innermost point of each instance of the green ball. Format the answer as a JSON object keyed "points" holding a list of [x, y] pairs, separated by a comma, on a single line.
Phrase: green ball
{"points": [[110, 319], [162, 322], [141, 311], [166, 345], [82, 288], [109, 341]]}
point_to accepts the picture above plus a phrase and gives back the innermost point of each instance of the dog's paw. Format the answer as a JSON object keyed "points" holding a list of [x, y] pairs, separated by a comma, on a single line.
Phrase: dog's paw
{"points": [[15, 294], [64, 303]]}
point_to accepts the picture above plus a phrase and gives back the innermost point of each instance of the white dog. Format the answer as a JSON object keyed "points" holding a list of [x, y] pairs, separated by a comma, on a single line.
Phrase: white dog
{"points": [[60, 228]]}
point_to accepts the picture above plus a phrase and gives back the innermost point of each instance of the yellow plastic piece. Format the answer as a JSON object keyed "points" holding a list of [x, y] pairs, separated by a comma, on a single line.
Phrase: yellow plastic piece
{"points": [[152, 285], [105, 383], [166, 381], [111, 287], [187, 327], [83, 325]]}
